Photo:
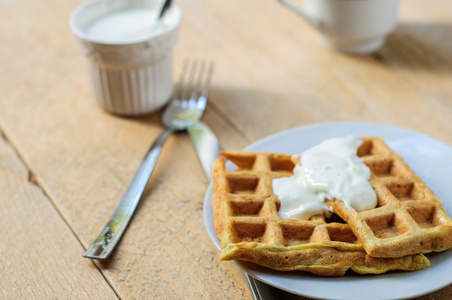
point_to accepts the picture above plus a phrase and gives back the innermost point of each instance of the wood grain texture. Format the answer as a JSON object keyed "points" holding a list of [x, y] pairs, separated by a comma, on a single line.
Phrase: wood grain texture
{"points": [[286, 69], [270, 75], [39, 255]]}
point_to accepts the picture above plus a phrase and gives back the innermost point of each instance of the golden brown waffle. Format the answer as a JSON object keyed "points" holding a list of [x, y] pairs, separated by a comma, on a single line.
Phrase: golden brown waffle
{"points": [[248, 225], [408, 218]]}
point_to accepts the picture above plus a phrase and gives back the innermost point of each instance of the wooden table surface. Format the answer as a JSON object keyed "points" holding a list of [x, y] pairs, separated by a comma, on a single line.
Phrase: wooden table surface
{"points": [[65, 163]]}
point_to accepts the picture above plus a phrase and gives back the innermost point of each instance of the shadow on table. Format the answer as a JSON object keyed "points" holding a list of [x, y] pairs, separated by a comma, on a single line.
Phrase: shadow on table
{"points": [[419, 46]]}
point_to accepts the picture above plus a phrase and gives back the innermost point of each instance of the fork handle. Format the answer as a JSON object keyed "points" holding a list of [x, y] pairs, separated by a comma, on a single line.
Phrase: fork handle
{"points": [[112, 232]]}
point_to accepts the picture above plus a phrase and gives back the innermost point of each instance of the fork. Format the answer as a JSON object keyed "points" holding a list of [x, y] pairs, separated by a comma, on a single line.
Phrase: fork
{"points": [[185, 109]]}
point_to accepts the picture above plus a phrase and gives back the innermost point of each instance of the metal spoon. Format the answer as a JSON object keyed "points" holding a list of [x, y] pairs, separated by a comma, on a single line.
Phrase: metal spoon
{"points": [[164, 8]]}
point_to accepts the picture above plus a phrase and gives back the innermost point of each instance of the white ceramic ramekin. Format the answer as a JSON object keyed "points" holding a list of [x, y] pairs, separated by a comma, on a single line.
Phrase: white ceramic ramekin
{"points": [[128, 78]]}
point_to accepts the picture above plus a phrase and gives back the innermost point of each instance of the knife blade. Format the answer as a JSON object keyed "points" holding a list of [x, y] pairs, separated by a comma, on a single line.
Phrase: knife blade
{"points": [[206, 146]]}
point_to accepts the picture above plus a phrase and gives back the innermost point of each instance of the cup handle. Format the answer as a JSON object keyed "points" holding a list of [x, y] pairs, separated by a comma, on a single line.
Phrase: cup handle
{"points": [[300, 11]]}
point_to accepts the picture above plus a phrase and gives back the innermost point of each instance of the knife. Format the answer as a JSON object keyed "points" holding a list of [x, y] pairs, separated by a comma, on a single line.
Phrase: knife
{"points": [[207, 147]]}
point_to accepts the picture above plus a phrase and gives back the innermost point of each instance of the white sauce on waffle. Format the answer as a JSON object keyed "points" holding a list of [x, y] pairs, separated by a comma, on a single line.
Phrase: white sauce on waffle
{"points": [[330, 170]]}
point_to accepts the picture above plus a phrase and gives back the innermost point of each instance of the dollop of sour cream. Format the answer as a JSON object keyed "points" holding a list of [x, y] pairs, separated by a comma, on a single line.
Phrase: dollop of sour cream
{"points": [[330, 170], [128, 25]]}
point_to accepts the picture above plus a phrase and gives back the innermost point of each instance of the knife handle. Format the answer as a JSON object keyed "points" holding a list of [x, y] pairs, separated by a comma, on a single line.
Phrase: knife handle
{"points": [[207, 147]]}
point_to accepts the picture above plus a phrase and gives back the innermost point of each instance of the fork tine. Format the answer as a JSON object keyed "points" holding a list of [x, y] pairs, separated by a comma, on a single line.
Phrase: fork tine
{"points": [[202, 99], [180, 85], [197, 90], [206, 90], [189, 85]]}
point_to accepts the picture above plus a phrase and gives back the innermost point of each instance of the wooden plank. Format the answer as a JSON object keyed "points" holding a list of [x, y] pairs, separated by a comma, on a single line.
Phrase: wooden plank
{"points": [[39, 255], [276, 66], [270, 75], [84, 158]]}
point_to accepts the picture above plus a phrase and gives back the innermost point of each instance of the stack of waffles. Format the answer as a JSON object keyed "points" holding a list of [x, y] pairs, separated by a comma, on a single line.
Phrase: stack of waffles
{"points": [[407, 222]]}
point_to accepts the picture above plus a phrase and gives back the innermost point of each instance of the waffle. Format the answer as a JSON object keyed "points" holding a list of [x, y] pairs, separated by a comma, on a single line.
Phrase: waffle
{"points": [[247, 223], [408, 218]]}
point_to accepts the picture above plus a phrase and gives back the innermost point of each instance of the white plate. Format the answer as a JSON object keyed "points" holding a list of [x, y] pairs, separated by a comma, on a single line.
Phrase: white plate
{"points": [[429, 158]]}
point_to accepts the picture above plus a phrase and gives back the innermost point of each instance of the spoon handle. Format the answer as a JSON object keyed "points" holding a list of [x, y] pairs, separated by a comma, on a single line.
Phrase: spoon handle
{"points": [[112, 232], [165, 7]]}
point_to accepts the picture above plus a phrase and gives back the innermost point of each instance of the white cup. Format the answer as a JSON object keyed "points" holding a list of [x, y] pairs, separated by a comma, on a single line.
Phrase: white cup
{"points": [[130, 74], [351, 26]]}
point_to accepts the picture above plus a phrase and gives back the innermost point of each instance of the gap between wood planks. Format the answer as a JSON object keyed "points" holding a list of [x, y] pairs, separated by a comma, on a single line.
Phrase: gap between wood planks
{"points": [[229, 121], [34, 180]]}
